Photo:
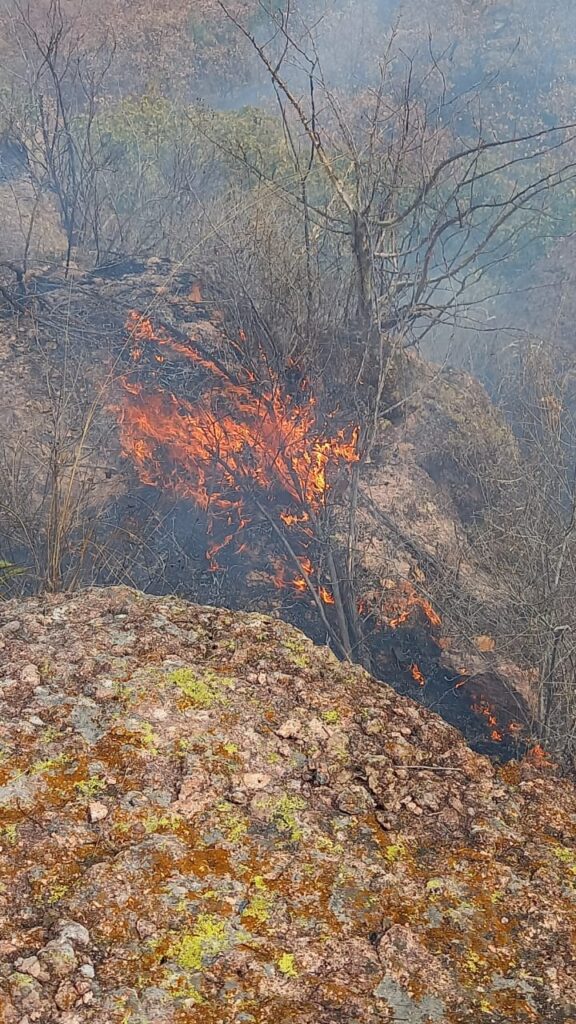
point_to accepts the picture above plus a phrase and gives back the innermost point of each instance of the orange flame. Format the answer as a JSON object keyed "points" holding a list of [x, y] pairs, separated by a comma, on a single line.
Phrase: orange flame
{"points": [[417, 675], [237, 443], [538, 757], [482, 707], [399, 607]]}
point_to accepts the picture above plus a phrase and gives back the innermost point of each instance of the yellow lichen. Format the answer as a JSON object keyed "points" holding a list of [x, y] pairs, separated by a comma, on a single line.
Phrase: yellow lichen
{"points": [[10, 832], [209, 939], [90, 787], [331, 717], [261, 903], [395, 851], [286, 965], [231, 821], [284, 816], [566, 856], [200, 691]]}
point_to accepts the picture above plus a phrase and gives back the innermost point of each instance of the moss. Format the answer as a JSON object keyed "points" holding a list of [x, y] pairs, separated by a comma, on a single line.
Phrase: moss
{"points": [[233, 824], [286, 965], [200, 691], [331, 717], [154, 823], [49, 765], [284, 816], [10, 832], [208, 940], [90, 787], [261, 903], [566, 856]]}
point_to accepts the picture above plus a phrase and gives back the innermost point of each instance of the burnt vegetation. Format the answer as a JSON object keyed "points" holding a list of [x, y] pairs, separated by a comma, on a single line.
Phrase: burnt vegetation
{"points": [[226, 320]]}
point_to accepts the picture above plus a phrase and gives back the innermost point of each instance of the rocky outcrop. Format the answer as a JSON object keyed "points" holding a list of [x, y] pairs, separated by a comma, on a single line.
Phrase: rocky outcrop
{"points": [[205, 818]]}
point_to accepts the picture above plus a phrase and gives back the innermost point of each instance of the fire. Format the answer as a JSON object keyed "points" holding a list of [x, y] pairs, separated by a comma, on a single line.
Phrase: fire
{"points": [[399, 608], [482, 707], [417, 675], [538, 757], [238, 452]]}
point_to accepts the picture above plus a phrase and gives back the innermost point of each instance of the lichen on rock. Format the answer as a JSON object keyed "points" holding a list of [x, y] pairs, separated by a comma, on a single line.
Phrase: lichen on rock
{"points": [[228, 826]]}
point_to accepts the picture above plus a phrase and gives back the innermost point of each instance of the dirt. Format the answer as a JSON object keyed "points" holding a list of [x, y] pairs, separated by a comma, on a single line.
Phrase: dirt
{"points": [[205, 818]]}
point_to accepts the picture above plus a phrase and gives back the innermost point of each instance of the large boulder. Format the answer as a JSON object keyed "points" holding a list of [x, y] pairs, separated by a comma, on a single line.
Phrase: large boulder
{"points": [[203, 817]]}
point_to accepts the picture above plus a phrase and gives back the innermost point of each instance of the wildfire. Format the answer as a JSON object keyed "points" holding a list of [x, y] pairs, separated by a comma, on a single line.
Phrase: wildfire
{"points": [[417, 675], [239, 452], [485, 709], [538, 757], [399, 607]]}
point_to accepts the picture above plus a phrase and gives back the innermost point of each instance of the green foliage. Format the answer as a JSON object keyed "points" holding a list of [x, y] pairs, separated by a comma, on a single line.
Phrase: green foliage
{"points": [[159, 823], [48, 765], [331, 717]]}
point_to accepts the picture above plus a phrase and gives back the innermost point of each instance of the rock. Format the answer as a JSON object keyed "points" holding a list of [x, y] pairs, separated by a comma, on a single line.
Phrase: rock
{"points": [[354, 800], [195, 795], [74, 932], [66, 996], [256, 780], [58, 958], [11, 627], [262, 845], [291, 729], [32, 966], [30, 675], [145, 929], [97, 811]]}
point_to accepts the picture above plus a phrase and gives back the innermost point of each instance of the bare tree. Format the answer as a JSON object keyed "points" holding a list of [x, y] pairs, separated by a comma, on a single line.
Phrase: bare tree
{"points": [[396, 208], [54, 117]]}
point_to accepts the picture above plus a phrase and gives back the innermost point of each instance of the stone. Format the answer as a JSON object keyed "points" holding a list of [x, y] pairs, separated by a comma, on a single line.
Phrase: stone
{"points": [[354, 800], [30, 675], [291, 729], [58, 958], [256, 780], [66, 996], [75, 932], [32, 966], [97, 811]]}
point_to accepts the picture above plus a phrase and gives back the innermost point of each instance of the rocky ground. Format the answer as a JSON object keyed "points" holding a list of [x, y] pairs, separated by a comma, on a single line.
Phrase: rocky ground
{"points": [[203, 817]]}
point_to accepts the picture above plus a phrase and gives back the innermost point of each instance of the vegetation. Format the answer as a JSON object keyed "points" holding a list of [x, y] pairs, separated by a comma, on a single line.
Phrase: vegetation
{"points": [[340, 212]]}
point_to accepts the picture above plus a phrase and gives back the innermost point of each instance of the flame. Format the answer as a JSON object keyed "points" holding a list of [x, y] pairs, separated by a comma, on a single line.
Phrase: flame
{"points": [[399, 607], [240, 447], [482, 707], [417, 675], [538, 757]]}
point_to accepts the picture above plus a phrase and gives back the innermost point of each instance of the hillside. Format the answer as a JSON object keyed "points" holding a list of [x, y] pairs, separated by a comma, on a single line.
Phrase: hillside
{"points": [[206, 818]]}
